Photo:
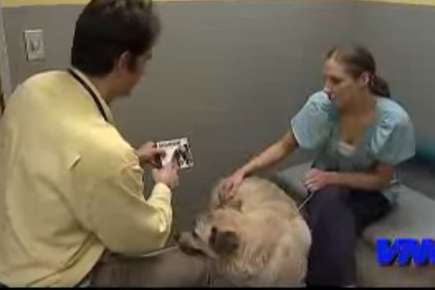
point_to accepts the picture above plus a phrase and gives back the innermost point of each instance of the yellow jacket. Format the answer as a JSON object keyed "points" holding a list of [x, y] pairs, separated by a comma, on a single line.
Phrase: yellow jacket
{"points": [[70, 186]]}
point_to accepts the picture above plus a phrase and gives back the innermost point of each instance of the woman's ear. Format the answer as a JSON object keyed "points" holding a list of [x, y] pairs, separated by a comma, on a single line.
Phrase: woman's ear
{"points": [[365, 78]]}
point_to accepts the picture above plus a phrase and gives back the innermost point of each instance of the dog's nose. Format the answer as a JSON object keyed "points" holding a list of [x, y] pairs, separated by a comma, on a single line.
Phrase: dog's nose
{"points": [[196, 222], [177, 236]]}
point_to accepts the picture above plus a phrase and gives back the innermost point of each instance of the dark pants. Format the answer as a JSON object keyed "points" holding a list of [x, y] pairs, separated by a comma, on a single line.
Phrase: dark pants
{"points": [[166, 268], [170, 268], [336, 217]]}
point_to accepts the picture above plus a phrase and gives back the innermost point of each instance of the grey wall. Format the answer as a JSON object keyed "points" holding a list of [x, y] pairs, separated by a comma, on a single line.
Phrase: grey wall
{"points": [[402, 39], [58, 25], [230, 74], [226, 74]]}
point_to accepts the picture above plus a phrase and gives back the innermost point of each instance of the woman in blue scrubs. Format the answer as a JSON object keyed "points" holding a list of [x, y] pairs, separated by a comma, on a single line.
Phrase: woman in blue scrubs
{"points": [[360, 135]]}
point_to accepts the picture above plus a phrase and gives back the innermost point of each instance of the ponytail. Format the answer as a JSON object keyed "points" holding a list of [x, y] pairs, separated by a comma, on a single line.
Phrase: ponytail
{"points": [[378, 86], [359, 60]]}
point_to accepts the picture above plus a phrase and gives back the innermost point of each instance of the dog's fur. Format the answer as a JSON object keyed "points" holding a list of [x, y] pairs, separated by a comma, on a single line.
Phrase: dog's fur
{"points": [[258, 238]]}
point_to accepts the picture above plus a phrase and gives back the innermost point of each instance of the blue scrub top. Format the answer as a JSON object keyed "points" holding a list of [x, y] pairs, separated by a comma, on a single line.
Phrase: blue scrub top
{"points": [[390, 138]]}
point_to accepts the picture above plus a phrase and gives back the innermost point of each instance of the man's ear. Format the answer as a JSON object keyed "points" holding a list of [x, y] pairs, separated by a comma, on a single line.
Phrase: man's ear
{"points": [[124, 62], [224, 242]]}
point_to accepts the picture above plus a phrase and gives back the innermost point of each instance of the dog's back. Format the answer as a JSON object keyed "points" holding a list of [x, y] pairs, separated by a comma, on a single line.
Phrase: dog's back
{"points": [[274, 231]]}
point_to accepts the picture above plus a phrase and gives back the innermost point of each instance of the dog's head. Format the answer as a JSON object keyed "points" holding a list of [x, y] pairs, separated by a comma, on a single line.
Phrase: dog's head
{"points": [[216, 233]]}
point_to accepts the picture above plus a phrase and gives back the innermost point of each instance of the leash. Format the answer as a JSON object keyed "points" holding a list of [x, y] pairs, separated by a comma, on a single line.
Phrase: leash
{"points": [[210, 275], [306, 200], [159, 252]]}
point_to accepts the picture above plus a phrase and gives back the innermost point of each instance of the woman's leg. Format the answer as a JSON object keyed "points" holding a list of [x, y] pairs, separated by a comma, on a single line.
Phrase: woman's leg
{"points": [[368, 207], [337, 217], [332, 255]]}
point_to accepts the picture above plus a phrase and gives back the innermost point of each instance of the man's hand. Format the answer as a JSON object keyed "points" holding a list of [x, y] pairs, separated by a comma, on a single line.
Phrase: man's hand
{"points": [[167, 175], [149, 154], [316, 179]]}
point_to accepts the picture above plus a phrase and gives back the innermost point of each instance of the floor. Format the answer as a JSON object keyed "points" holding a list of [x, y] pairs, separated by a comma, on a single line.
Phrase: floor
{"points": [[413, 175]]}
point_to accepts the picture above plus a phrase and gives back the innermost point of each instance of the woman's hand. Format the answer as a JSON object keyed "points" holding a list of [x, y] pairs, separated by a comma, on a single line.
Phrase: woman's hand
{"points": [[149, 154], [230, 184], [376, 180], [316, 179]]}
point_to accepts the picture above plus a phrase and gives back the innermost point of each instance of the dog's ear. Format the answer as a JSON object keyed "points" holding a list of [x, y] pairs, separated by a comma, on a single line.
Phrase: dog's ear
{"points": [[215, 197], [236, 204], [217, 200], [224, 242]]}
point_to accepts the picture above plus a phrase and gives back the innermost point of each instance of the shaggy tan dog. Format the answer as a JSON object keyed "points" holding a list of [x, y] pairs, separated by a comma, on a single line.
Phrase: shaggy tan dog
{"points": [[258, 238]]}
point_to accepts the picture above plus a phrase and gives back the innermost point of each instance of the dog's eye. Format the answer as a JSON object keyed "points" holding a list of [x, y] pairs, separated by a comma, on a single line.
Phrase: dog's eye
{"points": [[212, 238]]}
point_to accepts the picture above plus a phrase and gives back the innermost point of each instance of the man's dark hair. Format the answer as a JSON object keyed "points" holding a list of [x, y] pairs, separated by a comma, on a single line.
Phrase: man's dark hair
{"points": [[107, 28]]}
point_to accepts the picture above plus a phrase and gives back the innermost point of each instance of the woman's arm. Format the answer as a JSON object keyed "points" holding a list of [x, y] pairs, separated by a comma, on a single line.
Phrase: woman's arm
{"points": [[376, 180], [271, 155]]}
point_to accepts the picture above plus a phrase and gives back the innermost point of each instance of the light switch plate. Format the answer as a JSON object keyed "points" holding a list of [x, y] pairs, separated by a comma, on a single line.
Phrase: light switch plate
{"points": [[34, 41]]}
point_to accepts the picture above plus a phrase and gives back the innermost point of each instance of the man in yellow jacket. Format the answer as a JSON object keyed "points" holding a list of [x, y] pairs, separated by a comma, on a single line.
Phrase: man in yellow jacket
{"points": [[70, 186]]}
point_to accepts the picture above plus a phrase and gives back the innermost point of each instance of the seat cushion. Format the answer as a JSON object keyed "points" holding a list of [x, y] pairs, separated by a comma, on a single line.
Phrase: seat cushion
{"points": [[413, 216], [292, 178], [370, 274]]}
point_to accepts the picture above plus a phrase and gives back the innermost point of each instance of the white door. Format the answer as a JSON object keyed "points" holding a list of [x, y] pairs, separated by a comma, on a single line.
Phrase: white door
{"points": [[2, 100], [5, 79]]}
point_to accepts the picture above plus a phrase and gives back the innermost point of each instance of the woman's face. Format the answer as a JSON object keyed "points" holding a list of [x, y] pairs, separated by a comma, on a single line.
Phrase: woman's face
{"points": [[340, 86]]}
